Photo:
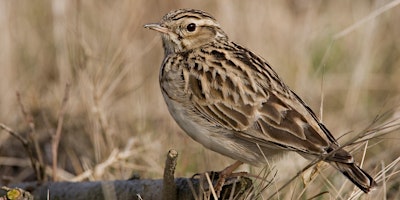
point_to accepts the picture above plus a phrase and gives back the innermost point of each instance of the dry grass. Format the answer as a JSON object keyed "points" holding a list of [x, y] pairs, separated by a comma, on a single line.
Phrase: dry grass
{"points": [[116, 122]]}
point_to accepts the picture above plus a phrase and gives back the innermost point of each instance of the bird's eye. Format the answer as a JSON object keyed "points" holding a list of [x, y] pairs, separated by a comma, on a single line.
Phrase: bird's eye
{"points": [[191, 27]]}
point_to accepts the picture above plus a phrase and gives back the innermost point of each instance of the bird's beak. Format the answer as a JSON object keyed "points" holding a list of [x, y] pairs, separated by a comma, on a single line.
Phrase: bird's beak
{"points": [[157, 27]]}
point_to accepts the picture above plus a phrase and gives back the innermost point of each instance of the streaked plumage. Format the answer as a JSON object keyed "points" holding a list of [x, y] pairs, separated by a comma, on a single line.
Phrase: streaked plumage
{"points": [[231, 100]]}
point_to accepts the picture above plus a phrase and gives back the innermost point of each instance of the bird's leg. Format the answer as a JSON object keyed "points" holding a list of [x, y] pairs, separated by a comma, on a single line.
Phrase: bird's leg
{"points": [[225, 173]]}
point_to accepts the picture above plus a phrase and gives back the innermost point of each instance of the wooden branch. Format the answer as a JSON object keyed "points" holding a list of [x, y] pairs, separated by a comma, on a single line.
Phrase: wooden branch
{"points": [[124, 189], [169, 187], [235, 187]]}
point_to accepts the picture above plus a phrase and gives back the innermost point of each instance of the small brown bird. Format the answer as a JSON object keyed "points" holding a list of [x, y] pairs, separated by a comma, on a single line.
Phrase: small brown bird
{"points": [[231, 101]]}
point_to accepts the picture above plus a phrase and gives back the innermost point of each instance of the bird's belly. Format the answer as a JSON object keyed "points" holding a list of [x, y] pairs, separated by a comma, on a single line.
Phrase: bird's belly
{"points": [[193, 125], [214, 138]]}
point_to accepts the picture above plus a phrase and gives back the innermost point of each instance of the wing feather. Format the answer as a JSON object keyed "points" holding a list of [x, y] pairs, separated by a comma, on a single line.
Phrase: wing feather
{"points": [[239, 91]]}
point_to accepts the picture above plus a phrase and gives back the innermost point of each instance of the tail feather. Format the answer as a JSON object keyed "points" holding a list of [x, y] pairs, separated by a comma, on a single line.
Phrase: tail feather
{"points": [[356, 175]]}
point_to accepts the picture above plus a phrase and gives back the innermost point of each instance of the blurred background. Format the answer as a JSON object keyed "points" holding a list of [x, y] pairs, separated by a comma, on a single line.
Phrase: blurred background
{"points": [[115, 111]]}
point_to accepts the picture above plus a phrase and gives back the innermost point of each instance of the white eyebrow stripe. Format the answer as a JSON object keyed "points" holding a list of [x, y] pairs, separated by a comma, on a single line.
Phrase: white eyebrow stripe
{"points": [[207, 22]]}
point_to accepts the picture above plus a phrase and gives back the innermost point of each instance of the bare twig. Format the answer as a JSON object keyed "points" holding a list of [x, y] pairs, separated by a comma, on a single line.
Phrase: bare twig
{"points": [[15, 134], [114, 157], [57, 136], [38, 165], [38, 168], [169, 187]]}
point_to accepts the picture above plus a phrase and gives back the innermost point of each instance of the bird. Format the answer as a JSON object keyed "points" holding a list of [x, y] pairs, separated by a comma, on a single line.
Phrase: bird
{"points": [[232, 102]]}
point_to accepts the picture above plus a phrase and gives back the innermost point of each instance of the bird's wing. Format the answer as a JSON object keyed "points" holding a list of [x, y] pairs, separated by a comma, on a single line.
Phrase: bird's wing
{"points": [[237, 90]]}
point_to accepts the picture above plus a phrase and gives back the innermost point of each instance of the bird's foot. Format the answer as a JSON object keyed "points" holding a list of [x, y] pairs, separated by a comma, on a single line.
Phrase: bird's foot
{"points": [[217, 180]]}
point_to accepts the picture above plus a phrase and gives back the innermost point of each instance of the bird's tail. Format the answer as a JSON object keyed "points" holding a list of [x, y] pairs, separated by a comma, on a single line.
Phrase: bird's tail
{"points": [[356, 175]]}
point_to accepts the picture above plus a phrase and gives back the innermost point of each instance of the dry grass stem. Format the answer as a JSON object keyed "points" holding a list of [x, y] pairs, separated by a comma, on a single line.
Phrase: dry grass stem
{"points": [[57, 136], [37, 154], [366, 19]]}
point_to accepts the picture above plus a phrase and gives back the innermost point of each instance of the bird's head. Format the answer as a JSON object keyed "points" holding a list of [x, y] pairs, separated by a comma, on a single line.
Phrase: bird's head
{"points": [[185, 29]]}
